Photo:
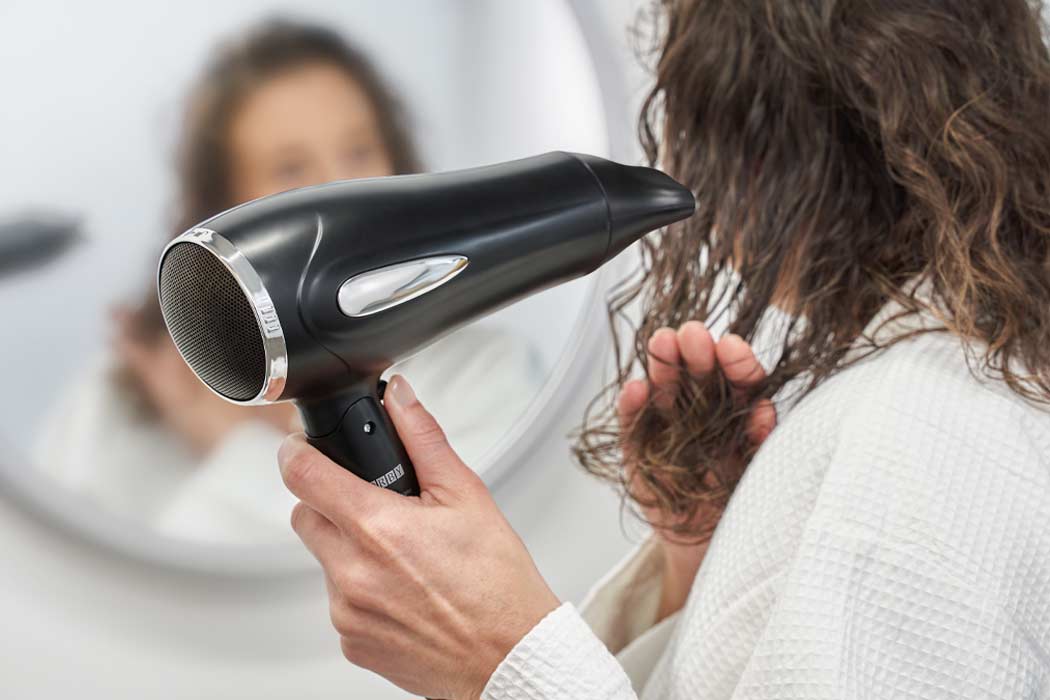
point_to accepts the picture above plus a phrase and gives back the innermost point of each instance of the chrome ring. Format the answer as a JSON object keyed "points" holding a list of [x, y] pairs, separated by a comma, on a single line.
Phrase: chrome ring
{"points": [[262, 305]]}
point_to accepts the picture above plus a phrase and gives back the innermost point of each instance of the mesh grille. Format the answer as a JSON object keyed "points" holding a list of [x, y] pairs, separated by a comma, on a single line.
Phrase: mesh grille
{"points": [[212, 322]]}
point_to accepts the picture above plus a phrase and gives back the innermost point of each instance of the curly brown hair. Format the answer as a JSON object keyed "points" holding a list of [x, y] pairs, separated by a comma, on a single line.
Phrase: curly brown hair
{"points": [[840, 151]]}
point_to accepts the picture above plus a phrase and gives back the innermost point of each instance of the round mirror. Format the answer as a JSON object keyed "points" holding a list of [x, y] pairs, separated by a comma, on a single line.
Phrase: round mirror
{"points": [[126, 123]]}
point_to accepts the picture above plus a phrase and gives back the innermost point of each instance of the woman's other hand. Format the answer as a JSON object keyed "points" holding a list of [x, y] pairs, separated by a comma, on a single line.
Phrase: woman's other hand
{"points": [[180, 399], [693, 348], [429, 592]]}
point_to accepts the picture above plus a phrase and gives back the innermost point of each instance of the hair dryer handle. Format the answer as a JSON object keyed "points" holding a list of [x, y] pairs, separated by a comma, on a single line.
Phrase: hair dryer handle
{"points": [[364, 440]]}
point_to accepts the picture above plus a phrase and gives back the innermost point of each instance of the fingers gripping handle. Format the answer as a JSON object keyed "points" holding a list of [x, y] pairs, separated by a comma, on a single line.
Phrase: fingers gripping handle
{"points": [[365, 442]]}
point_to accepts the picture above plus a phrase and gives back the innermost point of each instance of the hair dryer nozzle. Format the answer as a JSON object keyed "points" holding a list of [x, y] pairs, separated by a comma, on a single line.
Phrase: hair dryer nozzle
{"points": [[640, 200]]}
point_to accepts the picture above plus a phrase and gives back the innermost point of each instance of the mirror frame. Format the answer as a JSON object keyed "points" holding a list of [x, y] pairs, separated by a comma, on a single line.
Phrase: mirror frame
{"points": [[25, 489]]}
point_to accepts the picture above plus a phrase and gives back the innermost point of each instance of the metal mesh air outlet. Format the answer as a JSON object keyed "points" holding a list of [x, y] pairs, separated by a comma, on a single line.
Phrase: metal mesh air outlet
{"points": [[212, 322]]}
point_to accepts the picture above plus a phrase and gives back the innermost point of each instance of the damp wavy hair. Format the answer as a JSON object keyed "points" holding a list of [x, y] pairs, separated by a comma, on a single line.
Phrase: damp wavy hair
{"points": [[840, 150]]}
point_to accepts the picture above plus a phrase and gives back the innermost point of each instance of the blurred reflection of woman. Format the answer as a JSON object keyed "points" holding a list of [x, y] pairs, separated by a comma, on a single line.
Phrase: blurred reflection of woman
{"points": [[288, 105]]}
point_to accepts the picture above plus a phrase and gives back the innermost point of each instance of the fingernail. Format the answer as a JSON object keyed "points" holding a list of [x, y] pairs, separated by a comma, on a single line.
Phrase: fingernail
{"points": [[699, 325], [654, 339], [733, 339], [662, 330], [286, 449], [400, 392]]}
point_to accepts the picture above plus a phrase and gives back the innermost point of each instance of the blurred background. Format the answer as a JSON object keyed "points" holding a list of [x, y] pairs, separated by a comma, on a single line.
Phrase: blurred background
{"points": [[143, 526]]}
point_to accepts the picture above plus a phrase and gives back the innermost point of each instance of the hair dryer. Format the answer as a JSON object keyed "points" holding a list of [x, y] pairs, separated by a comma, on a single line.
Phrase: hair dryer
{"points": [[309, 295]]}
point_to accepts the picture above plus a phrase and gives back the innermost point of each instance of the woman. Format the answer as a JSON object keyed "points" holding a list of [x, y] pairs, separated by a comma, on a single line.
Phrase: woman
{"points": [[877, 174], [287, 105]]}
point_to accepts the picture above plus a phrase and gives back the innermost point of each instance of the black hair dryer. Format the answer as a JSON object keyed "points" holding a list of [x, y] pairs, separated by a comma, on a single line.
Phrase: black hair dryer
{"points": [[311, 294]]}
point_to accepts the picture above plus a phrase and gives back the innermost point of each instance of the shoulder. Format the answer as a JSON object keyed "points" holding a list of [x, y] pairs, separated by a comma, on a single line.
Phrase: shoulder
{"points": [[919, 402], [905, 451], [90, 403], [891, 521], [933, 463], [919, 399], [95, 427]]}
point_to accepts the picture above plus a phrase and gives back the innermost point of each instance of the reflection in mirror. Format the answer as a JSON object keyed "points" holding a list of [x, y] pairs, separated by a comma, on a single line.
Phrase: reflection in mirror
{"points": [[117, 140]]}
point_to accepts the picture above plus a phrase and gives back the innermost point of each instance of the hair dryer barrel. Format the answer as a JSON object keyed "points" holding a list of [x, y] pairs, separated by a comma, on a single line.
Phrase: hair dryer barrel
{"points": [[518, 228]]}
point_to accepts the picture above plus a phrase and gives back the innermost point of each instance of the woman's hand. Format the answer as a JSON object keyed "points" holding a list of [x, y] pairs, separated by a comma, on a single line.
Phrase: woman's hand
{"points": [[182, 401], [429, 592], [693, 347]]}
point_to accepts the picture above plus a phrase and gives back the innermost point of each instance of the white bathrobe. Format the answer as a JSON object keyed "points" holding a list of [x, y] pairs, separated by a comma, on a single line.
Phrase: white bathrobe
{"points": [[477, 381], [891, 539]]}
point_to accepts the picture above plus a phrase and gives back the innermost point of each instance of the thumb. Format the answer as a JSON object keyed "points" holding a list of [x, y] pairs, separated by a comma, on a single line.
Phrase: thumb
{"points": [[438, 467]]}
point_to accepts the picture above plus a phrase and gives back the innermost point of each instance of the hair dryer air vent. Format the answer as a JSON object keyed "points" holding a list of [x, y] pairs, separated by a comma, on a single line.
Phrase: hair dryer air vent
{"points": [[220, 318]]}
